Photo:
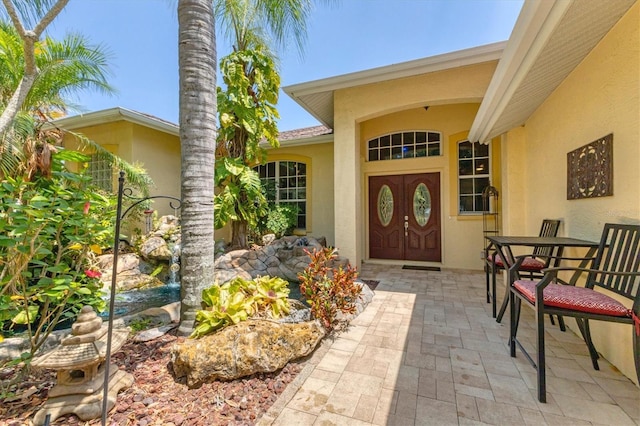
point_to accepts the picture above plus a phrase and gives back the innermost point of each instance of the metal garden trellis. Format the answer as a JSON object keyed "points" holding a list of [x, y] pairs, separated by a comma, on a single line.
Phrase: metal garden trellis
{"points": [[116, 246]]}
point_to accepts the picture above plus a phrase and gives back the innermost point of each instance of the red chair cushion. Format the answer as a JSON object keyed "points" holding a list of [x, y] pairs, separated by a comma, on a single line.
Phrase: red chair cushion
{"points": [[574, 298], [528, 264]]}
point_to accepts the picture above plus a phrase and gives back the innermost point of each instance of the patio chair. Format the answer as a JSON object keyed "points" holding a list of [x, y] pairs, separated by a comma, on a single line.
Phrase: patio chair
{"points": [[615, 268], [532, 265]]}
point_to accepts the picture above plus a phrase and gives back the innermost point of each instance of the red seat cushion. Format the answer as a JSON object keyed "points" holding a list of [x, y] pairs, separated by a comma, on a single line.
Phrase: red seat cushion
{"points": [[528, 264], [574, 298]]}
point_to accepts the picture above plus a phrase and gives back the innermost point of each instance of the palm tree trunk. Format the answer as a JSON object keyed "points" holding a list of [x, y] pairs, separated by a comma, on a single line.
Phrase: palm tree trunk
{"points": [[197, 59]]}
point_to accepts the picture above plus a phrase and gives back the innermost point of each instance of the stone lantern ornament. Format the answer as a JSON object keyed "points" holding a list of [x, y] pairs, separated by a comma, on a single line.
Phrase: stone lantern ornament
{"points": [[80, 365]]}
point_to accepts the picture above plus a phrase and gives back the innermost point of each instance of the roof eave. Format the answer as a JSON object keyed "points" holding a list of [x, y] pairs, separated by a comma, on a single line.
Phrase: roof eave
{"points": [[115, 114], [532, 30], [459, 58], [475, 55]]}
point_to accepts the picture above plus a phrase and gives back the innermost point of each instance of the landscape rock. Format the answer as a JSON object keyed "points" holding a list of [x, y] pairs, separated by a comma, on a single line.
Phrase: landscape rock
{"points": [[285, 258], [167, 228], [252, 346], [155, 248]]}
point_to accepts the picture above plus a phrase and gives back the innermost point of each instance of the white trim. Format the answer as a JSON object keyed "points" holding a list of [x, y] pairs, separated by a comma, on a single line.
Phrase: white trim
{"points": [[116, 114], [301, 141], [475, 55], [533, 29]]}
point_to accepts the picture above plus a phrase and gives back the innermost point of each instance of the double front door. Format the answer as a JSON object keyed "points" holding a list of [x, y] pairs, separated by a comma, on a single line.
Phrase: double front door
{"points": [[404, 217]]}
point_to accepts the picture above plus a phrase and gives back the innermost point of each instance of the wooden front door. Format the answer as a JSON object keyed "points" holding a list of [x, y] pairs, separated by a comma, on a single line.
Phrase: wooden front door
{"points": [[404, 217]]}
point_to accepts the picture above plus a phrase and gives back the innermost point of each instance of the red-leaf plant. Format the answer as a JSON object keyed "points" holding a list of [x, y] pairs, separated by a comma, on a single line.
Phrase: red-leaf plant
{"points": [[329, 290]]}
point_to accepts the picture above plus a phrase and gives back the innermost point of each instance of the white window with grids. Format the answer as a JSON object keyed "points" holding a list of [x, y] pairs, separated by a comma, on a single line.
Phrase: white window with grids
{"points": [[474, 174], [101, 172], [412, 144], [288, 183]]}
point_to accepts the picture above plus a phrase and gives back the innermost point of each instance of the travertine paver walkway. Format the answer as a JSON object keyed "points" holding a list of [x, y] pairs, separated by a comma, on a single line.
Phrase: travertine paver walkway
{"points": [[427, 352]]}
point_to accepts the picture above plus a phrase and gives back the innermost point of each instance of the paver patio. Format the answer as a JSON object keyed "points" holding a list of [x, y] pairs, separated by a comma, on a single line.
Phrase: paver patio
{"points": [[426, 351]]}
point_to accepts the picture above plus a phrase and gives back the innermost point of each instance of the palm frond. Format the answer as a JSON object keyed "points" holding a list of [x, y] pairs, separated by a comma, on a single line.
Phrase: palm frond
{"points": [[32, 11], [12, 157], [134, 173]]}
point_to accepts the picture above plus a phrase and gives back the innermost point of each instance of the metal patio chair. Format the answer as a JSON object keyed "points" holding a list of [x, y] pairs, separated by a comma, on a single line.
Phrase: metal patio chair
{"points": [[533, 266], [615, 268]]}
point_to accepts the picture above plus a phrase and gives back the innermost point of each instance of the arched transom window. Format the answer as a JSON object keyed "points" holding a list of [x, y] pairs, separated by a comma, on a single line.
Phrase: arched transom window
{"points": [[410, 144]]}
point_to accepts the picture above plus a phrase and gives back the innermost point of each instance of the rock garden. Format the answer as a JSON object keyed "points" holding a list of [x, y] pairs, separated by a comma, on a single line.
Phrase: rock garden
{"points": [[249, 343]]}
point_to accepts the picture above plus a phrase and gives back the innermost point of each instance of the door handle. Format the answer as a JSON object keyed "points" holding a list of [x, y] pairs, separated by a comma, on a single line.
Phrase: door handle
{"points": [[406, 226]]}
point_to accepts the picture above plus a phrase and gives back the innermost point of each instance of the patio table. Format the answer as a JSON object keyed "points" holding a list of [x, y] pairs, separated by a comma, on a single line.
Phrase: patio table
{"points": [[503, 245]]}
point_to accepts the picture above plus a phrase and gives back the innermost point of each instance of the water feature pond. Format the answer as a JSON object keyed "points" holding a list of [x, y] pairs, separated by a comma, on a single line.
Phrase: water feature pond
{"points": [[130, 302]]}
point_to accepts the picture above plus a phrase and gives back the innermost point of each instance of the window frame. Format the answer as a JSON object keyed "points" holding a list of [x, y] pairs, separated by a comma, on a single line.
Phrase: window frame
{"points": [[478, 209], [277, 178], [397, 148]]}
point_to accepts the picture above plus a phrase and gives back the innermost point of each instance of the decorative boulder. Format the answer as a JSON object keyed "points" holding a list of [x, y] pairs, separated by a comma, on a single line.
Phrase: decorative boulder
{"points": [[252, 346], [155, 248], [132, 273]]}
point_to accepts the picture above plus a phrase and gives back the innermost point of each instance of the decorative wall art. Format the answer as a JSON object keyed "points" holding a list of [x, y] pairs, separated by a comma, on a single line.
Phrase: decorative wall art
{"points": [[590, 170]]}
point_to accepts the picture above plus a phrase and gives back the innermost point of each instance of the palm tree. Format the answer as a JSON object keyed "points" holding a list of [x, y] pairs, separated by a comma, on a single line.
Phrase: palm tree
{"points": [[247, 23], [197, 60], [64, 67], [39, 13]]}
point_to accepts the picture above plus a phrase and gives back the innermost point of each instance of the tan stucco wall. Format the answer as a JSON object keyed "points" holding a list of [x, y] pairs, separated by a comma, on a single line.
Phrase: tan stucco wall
{"points": [[462, 238], [599, 97], [117, 135], [319, 160], [157, 152], [354, 106]]}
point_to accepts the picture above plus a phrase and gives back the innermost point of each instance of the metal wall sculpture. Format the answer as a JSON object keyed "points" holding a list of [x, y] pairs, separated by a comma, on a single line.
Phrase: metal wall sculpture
{"points": [[590, 170]]}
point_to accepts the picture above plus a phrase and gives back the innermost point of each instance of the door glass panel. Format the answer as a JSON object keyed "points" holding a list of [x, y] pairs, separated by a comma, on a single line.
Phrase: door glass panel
{"points": [[422, 204], [385, 205]]}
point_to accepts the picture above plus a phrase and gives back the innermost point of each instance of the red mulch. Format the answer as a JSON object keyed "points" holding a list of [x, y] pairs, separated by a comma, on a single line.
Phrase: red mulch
{"points": [[156, 398]]}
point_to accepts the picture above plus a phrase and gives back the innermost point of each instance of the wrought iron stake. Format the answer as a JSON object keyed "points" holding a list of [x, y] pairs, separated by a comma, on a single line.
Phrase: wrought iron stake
{"points": [[116, 246]]}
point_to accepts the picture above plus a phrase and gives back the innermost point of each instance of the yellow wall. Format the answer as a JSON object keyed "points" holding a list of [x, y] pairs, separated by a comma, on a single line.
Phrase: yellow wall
{"points": [[599, 97], [462, 238], [354, 112], [319, 160], [157, 151]]}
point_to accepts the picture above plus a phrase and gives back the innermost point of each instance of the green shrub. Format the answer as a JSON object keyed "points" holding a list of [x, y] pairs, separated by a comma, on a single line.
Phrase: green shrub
{"points": [[50, 230], [239, 299], [281, 219], [329, 290]]}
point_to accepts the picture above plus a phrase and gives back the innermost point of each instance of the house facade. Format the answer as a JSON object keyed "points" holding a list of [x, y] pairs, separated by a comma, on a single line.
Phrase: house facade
{"points": [[395, 172], [397, 191], [509, 114]]}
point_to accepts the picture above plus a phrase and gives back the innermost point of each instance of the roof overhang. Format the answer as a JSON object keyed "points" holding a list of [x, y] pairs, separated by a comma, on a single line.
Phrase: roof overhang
{"points": [[116, 114], [316, 97], [549, 39]]}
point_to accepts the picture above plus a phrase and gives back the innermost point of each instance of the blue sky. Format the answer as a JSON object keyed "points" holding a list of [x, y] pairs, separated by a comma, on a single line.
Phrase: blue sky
{"points": [[348, 36]]}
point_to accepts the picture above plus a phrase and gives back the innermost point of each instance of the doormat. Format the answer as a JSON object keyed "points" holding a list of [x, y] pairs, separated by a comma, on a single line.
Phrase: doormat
{"points": [[371, 283], [421, 268]]}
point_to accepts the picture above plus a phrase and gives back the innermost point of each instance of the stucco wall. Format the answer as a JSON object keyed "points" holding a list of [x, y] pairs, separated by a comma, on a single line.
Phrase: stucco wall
{"points": [[599, 97], [461, 234], [118, 135], [354, 106], [319, 159], [159, 154]]}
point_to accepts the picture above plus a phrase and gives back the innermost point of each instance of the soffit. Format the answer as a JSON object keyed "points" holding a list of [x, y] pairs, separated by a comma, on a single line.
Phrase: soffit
{"points": [[316, 97], [541, 53]]}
